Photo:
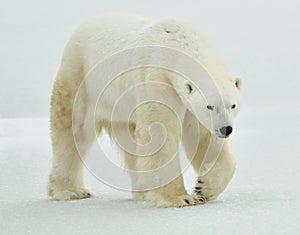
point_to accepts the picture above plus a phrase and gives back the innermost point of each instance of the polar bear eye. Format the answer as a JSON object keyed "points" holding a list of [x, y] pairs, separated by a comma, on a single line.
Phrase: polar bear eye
{"points": [[189, 87], [233, 106], [210, 107]]}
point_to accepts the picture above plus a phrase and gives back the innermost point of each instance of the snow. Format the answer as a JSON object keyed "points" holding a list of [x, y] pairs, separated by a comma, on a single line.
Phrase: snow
{"points": [[263, 197], [260, 42]]}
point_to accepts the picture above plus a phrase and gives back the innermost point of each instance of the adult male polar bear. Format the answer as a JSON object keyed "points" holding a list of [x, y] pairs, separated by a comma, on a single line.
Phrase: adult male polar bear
{"points": [[208, 113]]}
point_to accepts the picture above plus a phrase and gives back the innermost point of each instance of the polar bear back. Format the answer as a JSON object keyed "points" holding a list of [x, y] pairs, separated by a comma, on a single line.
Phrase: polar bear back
{"points": [[103, 36], [108, 34]]}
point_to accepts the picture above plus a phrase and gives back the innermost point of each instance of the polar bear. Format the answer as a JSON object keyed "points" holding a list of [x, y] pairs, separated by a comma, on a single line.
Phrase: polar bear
{"points": [[202, 111]]}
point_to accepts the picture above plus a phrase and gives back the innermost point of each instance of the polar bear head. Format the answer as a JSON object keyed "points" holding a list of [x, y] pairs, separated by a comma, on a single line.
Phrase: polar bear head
{"points": [[215, 109]]}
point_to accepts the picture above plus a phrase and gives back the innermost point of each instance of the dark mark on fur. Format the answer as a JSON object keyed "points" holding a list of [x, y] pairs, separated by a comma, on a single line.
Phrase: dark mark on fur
{"points": [[187, 201], [201, 199]]}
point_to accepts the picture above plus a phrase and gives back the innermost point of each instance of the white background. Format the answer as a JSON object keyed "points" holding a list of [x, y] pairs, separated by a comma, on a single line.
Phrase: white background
{"points": [[260, 42]]}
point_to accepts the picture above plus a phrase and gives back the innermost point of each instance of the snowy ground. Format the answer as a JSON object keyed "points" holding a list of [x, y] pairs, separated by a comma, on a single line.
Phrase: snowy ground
{"points": [[263, 197]]}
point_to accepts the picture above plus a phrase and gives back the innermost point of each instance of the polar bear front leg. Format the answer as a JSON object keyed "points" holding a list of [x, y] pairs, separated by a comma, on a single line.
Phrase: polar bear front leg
{"points": [[196, 140], [156, 190], [213, 183], [157, 177]]}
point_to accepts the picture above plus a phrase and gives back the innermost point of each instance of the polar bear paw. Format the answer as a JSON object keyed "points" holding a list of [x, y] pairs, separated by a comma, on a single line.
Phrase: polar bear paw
{"points": [[205, 190], [71, 194], [59, 190], [180, 201]]}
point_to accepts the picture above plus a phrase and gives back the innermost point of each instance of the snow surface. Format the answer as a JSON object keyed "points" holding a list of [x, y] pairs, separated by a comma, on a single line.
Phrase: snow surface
{"points": [[263, 197]]}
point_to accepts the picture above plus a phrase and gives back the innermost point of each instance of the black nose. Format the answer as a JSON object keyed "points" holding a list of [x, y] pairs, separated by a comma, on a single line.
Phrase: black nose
{"points": [[226, 130]]}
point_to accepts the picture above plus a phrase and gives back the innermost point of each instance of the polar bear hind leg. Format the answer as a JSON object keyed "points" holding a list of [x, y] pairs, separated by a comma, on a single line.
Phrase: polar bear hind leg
{"points": [[66, 177]]}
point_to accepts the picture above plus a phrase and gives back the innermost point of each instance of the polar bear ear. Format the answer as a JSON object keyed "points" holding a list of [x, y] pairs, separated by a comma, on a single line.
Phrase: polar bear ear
{"points": [[238, 83]]}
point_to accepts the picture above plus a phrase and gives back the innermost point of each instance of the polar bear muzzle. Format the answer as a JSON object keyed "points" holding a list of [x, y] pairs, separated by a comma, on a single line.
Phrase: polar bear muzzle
{"points": [[226, 131]]}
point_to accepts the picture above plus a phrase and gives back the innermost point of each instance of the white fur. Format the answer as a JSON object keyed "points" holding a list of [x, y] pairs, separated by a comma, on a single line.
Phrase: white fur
{"points": [[104, 36]]}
